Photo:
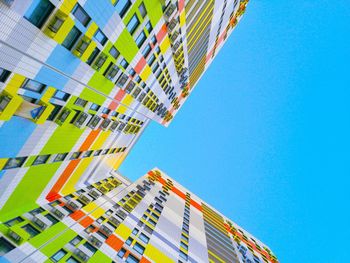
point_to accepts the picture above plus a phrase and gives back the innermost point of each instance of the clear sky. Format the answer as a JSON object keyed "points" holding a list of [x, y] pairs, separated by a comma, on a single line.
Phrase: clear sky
{"points": [[265, 136]]}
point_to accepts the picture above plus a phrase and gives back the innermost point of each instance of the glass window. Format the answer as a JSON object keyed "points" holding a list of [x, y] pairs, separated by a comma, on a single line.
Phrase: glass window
{"points": [[72, 260], [60, 95], [100, 37], [90, 247], [87, 154], [14, 163], [151, 60], [106, 111], [41, 159], [75, 241], [154, 40], [81, 15], [139, 248], [149, 27], [75, 155], [183, 255], [60, 157], [144, 238], [129, 241], [142, 10], [98, 152], [140, 39], [4, 74], [122, 6], [133, 23], [114, 52], [124, 63], [39, 12], [71, 38], [80, 102], [33, 85], [146, 51], [5, 246], [58, 255], [94, 107], [30, 230], [14, 221], [132, 259], [121, 253], [93, 56]]}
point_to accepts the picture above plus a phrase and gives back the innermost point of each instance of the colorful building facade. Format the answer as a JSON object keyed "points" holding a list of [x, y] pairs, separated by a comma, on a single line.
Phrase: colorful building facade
{"points": [[154, 219], [80, 80]]}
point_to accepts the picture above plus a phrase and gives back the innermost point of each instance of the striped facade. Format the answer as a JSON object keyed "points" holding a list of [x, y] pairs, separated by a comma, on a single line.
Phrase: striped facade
{"points": [[80, 80], [154, 219]]}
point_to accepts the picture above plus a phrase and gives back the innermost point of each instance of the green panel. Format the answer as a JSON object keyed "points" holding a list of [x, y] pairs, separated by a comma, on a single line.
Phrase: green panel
{"points": [[23, 199], [154, 10], [99, 257], [100, 83], [55, 245], [127, 46], [62, 140]]}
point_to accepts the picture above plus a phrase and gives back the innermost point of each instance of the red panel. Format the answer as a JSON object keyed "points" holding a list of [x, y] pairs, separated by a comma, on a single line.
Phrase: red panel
{"points": [[77, 215], [140, 65], [179, 193], [144, 260], [86, 221], [181, 5], [162, 33], [89, 140], [196, 205], [114, 242], [120, 95]]}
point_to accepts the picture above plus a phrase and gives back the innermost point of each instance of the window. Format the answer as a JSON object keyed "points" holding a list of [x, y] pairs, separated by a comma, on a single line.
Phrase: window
{"points": [[60, 157], [97, 153], [39, 12], [75, 241], [133, 23], [60, 95], [149, 27], [80, 102], [122, 6], [90, 247], [183, 245], [106, 111], [144, 238], [140, 39], [30, 230], [142, 10], [71, 38], [14, 163], [81, 15], [72, 260], [151, 60], [124, 63], [132, 259], [58, 255], [4, 74], [154, 40], [139, 248], [14, 221], [75, 155], [94, 107], [5, 246], [183, 255], [114, 52], [146, 51], [129, 241], [41, 159], [100, 37], [87, 154], [93, 56], [33, 85], [135, 231], [121, 253]]}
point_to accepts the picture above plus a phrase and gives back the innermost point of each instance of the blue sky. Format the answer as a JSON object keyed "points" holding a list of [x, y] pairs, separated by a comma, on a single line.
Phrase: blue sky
{"points": [[264, 137]]}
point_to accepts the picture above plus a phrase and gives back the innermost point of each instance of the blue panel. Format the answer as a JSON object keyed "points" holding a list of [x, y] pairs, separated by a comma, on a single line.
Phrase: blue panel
{"points": [[1, 174], [14, 134], [64, 60], [51, 78], [4, 260], [96, 8]]}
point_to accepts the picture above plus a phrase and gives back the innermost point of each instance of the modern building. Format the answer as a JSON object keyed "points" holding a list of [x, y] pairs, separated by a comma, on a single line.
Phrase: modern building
{"points": [[154, 219], [80, 80]]}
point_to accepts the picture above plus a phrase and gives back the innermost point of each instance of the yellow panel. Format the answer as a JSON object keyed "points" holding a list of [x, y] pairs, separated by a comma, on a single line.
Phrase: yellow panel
{"points": [[88, 208], [88, 51], [15, 83], [68, 5], [182, 19], [3, 161], [122, 109], [119, 161], [100, 140], [69, 187], [156, 255], [64, 30], [48, 94], [164, 45], [123, 231], [127, 100], [91, 30], [145, 73], [98, 212]]}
